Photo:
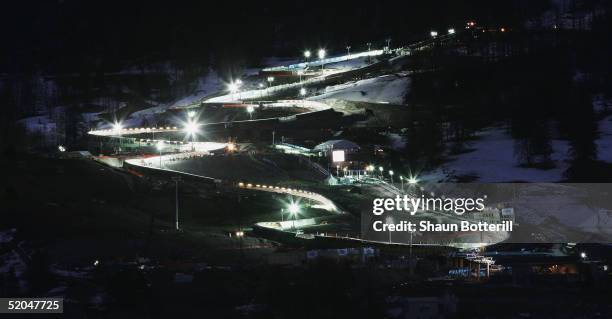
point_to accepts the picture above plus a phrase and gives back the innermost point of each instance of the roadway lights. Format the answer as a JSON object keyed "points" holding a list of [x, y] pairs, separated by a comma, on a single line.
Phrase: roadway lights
{"points": [[321, 54], [191, 114], [370, 168], [250, 109], [307, 54], [451, 31], [270, 79], [233, 87], [117, 127], [412, 180], [321, 57], [191, 128], [231, 147], [380, 168], [391, 173], [261, 85], [433, 34], [294, 209], [302, 91], [583, 255]]}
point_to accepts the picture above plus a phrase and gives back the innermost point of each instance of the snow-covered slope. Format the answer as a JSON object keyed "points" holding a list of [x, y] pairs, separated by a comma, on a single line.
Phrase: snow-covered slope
{"points": [[493, 160], [383, 89]]}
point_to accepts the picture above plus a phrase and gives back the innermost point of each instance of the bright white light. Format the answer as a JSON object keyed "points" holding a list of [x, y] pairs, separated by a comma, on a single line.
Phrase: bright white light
{"points": [[302, 91], [191, 128], [307, 54], [338, 156], [117, 127], [451, 31], [270, 79], [233, 87], [261, 85], [61, 148], [380, 168], [191, 114], [294, 208], [583, 255], [239, 82], [370, 168], [160, 145], [300, 72], [250, 109], [433, 33], [413, 180], [321, 53], [391, 173]]}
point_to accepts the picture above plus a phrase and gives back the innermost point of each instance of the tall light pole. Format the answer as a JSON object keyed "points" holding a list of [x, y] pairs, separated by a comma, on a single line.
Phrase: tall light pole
{"points": [[391, 176], [176, 180], [388, 44], [233, 88], [117, 129], [239, 84], [250, 110], [381, 169], [260, 86], [402, 181], [321, 57], [294, 209], [302, 92], [300, 73], [369, 54], [389, 220], [191, 129], [348, 51], [270, 80], [307, 55]]}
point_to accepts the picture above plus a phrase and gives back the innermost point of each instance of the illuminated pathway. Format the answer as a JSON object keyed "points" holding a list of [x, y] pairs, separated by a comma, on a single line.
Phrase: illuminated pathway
{"points": [[202, 148]]}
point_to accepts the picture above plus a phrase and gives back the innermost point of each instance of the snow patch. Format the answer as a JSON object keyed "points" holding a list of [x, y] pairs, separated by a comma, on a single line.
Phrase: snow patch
{"points": [[383, 89]]}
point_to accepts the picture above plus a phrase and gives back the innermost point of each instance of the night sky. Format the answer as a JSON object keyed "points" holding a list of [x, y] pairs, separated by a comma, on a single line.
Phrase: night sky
{"points": [[73, 36]]}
